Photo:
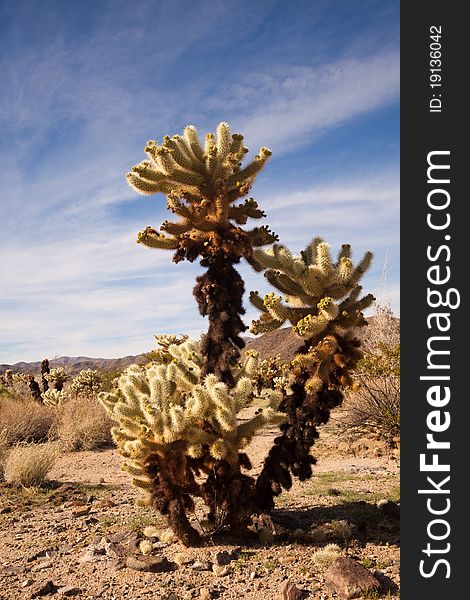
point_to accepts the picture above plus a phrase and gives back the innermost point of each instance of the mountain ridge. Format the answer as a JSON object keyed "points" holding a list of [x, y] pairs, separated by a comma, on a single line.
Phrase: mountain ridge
{"points": [[282, 342]]}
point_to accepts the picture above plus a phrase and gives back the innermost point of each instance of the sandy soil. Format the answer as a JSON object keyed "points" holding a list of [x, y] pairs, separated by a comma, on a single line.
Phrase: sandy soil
{"points": [[55, 534]]}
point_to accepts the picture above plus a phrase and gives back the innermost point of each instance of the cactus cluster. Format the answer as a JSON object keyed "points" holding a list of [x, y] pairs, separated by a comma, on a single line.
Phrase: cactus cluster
{"points": [[21, 384], [87, 382], [166, 417], [272, 372], [53, 397], [178, 416], [56, 378]]}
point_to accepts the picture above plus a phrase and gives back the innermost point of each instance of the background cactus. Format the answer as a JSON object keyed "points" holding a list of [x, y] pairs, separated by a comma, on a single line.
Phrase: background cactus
{"points": [[45, 368], [173, 426], [161, 355], [202, 183], [53, 397], [87, 382], [21, 384], [323, 305], [56, 378]]}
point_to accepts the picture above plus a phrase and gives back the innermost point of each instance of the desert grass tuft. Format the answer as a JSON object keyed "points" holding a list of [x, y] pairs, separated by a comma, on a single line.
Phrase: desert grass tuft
{"points": [[24, 420], [28, 465], [82, 424]]}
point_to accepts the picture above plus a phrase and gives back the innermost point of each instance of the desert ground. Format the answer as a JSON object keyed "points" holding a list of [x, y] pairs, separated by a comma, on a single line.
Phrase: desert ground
{"points": [[81, 535]]}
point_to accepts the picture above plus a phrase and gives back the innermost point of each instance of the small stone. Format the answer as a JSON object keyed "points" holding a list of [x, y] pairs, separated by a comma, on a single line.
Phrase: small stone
{"points": [[252, 575], [349, 579], [11, 570], [81, 511], [221, 570], [68, 590], [5, 510], [221, 558], [27, 582], [204, 594], [42, 589], [44, 554], [153, 564], [103, 504], [290, 559], [235, 552], [291, 592], [201, 565], [41, 566]]}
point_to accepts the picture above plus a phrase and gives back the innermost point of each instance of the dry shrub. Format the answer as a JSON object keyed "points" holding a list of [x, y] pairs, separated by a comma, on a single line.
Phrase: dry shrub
{"points": [[4, 450], [28, 465], [374, 408], [24, 420], [82, 424]]}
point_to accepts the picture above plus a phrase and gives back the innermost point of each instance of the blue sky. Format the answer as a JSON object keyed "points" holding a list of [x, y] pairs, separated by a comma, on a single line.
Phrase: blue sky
{"points": [[85, 84]]}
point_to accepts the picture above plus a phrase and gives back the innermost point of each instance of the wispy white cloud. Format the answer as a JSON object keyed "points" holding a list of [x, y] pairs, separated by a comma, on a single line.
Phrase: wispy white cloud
{"points": [[76, 114], [302, 102]]}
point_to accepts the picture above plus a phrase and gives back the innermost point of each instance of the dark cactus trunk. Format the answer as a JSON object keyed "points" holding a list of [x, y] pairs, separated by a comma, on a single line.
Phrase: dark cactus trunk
{"points": [[229, 494], [172, 486], [219, 294], [290, 454], [34, 388], [45, 368]]}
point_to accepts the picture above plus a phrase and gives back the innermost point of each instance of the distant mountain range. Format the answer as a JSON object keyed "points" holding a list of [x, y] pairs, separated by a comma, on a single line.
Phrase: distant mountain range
{"points": [[74, 364], [282, 341]]}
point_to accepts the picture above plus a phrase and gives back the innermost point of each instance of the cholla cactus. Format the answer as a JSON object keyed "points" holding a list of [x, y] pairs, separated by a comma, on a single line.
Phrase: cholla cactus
{"points": [[272, 372], [161, 355], [87, 382], [53, 397], [323, 306], [56, 378], [21, 384], [322, 296], [167, 418], [202, 183]]}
